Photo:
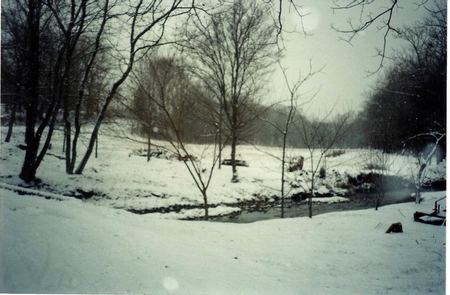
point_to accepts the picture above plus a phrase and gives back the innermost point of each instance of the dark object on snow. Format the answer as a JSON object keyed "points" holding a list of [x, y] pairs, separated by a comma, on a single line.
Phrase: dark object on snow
{"points": [[322, 173], [238, 162], [83, 195], [395, 228], [22, 147], [296, 164], [335, 153], [160, 154], [436, 217], [187, 158]]}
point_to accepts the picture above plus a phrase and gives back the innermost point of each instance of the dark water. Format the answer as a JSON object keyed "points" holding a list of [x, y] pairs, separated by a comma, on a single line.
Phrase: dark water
{"points": [[300, 209]]}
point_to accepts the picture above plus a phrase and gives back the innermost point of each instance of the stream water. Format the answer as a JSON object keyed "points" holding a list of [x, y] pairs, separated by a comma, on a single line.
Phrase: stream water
{"points": [[299, 209]]}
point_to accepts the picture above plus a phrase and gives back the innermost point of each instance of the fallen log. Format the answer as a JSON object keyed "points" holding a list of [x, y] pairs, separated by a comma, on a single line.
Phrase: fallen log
{"points": [[238, 162]]}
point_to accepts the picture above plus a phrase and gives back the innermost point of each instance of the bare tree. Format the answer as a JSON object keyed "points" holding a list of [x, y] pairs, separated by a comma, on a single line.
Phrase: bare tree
{"points": [[45, 36], [12, 66], [380, 164], [165, 74], [146, 21], [232, 52], [69, 22], [383, 17], [371, 14], [142, 108], [75, 22], [319, 136], [424, 157], [407, 109], [284, 129], [32, 11], [94, 51], [165, 88]]}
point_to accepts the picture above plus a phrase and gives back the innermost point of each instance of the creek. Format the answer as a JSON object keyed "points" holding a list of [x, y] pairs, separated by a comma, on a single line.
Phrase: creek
{"points": [[292, 208]]}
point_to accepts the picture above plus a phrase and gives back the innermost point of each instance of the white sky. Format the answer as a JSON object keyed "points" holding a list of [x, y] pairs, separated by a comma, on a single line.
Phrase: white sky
{"points": [[345, 75]]}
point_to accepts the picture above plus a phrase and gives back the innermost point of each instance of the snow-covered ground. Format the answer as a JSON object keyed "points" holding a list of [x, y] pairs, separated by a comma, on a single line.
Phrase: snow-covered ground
{"points": [[120, 179], [53, 243], [70, 246]]}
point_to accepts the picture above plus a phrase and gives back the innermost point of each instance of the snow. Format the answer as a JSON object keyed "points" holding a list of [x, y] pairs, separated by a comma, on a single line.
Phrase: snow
{"points": [[120, 179], [330, 200], [71, 246], [54, 243]]}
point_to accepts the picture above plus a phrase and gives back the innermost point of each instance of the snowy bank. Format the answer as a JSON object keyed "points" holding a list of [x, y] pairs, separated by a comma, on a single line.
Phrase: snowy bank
{"points": [[51, 246], [119, 179]]}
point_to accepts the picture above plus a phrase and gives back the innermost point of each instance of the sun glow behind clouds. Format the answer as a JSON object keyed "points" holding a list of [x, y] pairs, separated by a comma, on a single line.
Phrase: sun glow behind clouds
{"points": [[310, 20], [302, 20]]}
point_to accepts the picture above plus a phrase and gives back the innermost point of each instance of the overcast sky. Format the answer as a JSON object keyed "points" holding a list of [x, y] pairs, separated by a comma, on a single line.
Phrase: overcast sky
{"points": [[345, 75]]}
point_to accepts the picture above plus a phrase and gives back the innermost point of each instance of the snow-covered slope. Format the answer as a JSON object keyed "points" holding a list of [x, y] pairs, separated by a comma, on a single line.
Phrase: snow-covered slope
{"points": [[120, 179], [52, 243], [66, 245]]}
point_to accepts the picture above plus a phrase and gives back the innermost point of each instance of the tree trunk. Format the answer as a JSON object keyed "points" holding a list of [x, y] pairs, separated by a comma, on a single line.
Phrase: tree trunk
{"points": [[90, 147], [148, 146], [12, 120], [99, 121], [282, 188], [67, 137], [205, 203], [74, 145], [382, 189], [419, 182], [311, 195], [234, 179], [283, 163], [310, 207], [64, 145], [102, 113], [380, 197], [32, 158], [28, 172], [220, 137], [82, 86], [32, 85], [96, 146]]}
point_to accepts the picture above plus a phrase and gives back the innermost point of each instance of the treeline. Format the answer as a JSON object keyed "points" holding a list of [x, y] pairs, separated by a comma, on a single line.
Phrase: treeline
{"points": [[201, 130], [406, 109], [67, 64], [167, 94]]}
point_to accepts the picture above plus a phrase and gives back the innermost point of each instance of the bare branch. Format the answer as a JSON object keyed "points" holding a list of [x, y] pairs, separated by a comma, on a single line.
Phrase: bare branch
{"points": [[371, 21]]}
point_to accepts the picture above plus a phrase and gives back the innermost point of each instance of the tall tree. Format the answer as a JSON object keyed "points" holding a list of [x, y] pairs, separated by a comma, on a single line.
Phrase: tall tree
{"points": [[166, 99], [13, 60], [76, 26], [232, 53], [319, 136], [411, 98], [162, 80], [285, 127], [146, 24], [91, 52], [32, 47], [71, 19], [45, 51]]}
